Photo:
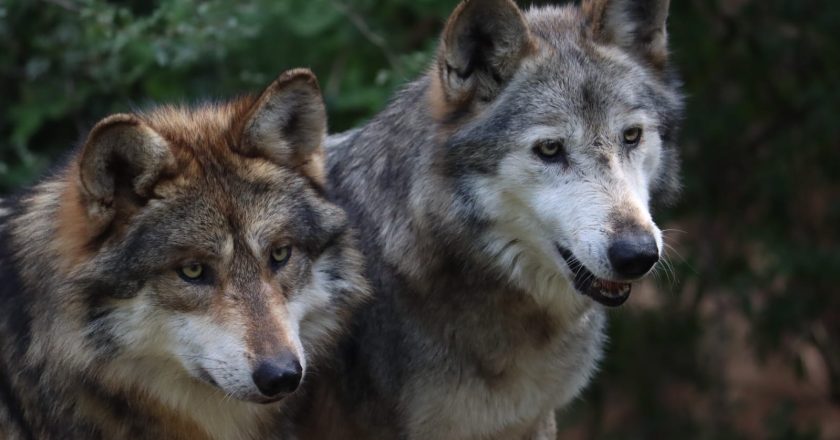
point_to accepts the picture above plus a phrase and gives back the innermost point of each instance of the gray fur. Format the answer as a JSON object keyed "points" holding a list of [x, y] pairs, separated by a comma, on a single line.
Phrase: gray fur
{"points": [[472, 334], [456, 345]]}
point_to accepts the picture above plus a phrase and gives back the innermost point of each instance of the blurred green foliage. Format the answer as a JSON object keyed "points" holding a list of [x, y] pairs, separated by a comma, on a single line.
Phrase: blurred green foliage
{"points": [[756, 235], [66, 63]]}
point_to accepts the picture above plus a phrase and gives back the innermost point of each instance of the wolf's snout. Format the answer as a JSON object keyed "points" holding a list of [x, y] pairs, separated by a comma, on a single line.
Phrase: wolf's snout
{"points": [[277, 376], [633, 254]]}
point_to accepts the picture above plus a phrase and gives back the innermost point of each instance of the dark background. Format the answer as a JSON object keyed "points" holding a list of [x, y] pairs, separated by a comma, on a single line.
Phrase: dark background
{"points": [[739, 338]]}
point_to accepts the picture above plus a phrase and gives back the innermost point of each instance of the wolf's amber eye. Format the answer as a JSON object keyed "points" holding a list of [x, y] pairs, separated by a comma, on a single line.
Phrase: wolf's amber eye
{"points": [[191, 272], [632, 136], [280, 255], [550, 151]]}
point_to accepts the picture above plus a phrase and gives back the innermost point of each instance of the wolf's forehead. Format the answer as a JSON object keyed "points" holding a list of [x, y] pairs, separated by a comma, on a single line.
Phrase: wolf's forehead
{"points": [[231, 201], [248, 206], [572, 63], [577, 85], [219, 228], [575, 100]]}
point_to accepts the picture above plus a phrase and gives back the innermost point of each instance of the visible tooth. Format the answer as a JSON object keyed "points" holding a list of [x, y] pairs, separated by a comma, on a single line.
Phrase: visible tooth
{"points": [[596, 283]]}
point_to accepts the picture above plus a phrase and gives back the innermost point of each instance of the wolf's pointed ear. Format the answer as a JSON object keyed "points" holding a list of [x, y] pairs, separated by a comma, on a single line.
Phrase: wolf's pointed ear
{"points": [[637, 26], [481, 48], [288, 123], [122, 160]]}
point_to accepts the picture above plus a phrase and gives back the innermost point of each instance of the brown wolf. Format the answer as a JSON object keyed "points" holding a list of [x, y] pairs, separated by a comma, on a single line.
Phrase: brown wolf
{"points": [[178, 277]]}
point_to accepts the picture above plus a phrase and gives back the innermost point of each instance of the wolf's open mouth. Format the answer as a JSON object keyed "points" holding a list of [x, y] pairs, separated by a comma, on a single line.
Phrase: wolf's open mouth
{"points": [[608, 293]]}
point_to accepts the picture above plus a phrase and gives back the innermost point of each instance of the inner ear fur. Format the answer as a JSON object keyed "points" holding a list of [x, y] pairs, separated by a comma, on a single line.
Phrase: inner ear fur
{"points": [[637, 26], [288, 123], [123, 158], [481, 48]]}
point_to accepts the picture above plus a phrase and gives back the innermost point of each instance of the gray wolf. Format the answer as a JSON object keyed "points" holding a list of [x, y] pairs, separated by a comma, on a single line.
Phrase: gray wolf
{"points": [[178, 277], [503, 201]]}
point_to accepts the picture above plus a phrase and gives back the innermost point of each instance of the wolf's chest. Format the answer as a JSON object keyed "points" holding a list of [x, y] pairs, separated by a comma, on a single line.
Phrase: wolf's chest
{"points": [[508, 405]]}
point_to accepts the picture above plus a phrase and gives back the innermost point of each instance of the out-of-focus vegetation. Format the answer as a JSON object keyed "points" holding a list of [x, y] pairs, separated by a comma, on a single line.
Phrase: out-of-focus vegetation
{"points": [[740, 338]]}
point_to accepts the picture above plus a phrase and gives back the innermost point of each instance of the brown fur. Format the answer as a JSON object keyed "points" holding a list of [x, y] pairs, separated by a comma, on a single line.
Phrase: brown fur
{"points": [[73, 230], [100, 336]]}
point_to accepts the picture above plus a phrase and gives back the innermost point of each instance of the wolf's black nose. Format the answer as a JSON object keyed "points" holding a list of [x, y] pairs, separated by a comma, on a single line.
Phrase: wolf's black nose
{"points": [[278, 376], [633, 254]]}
